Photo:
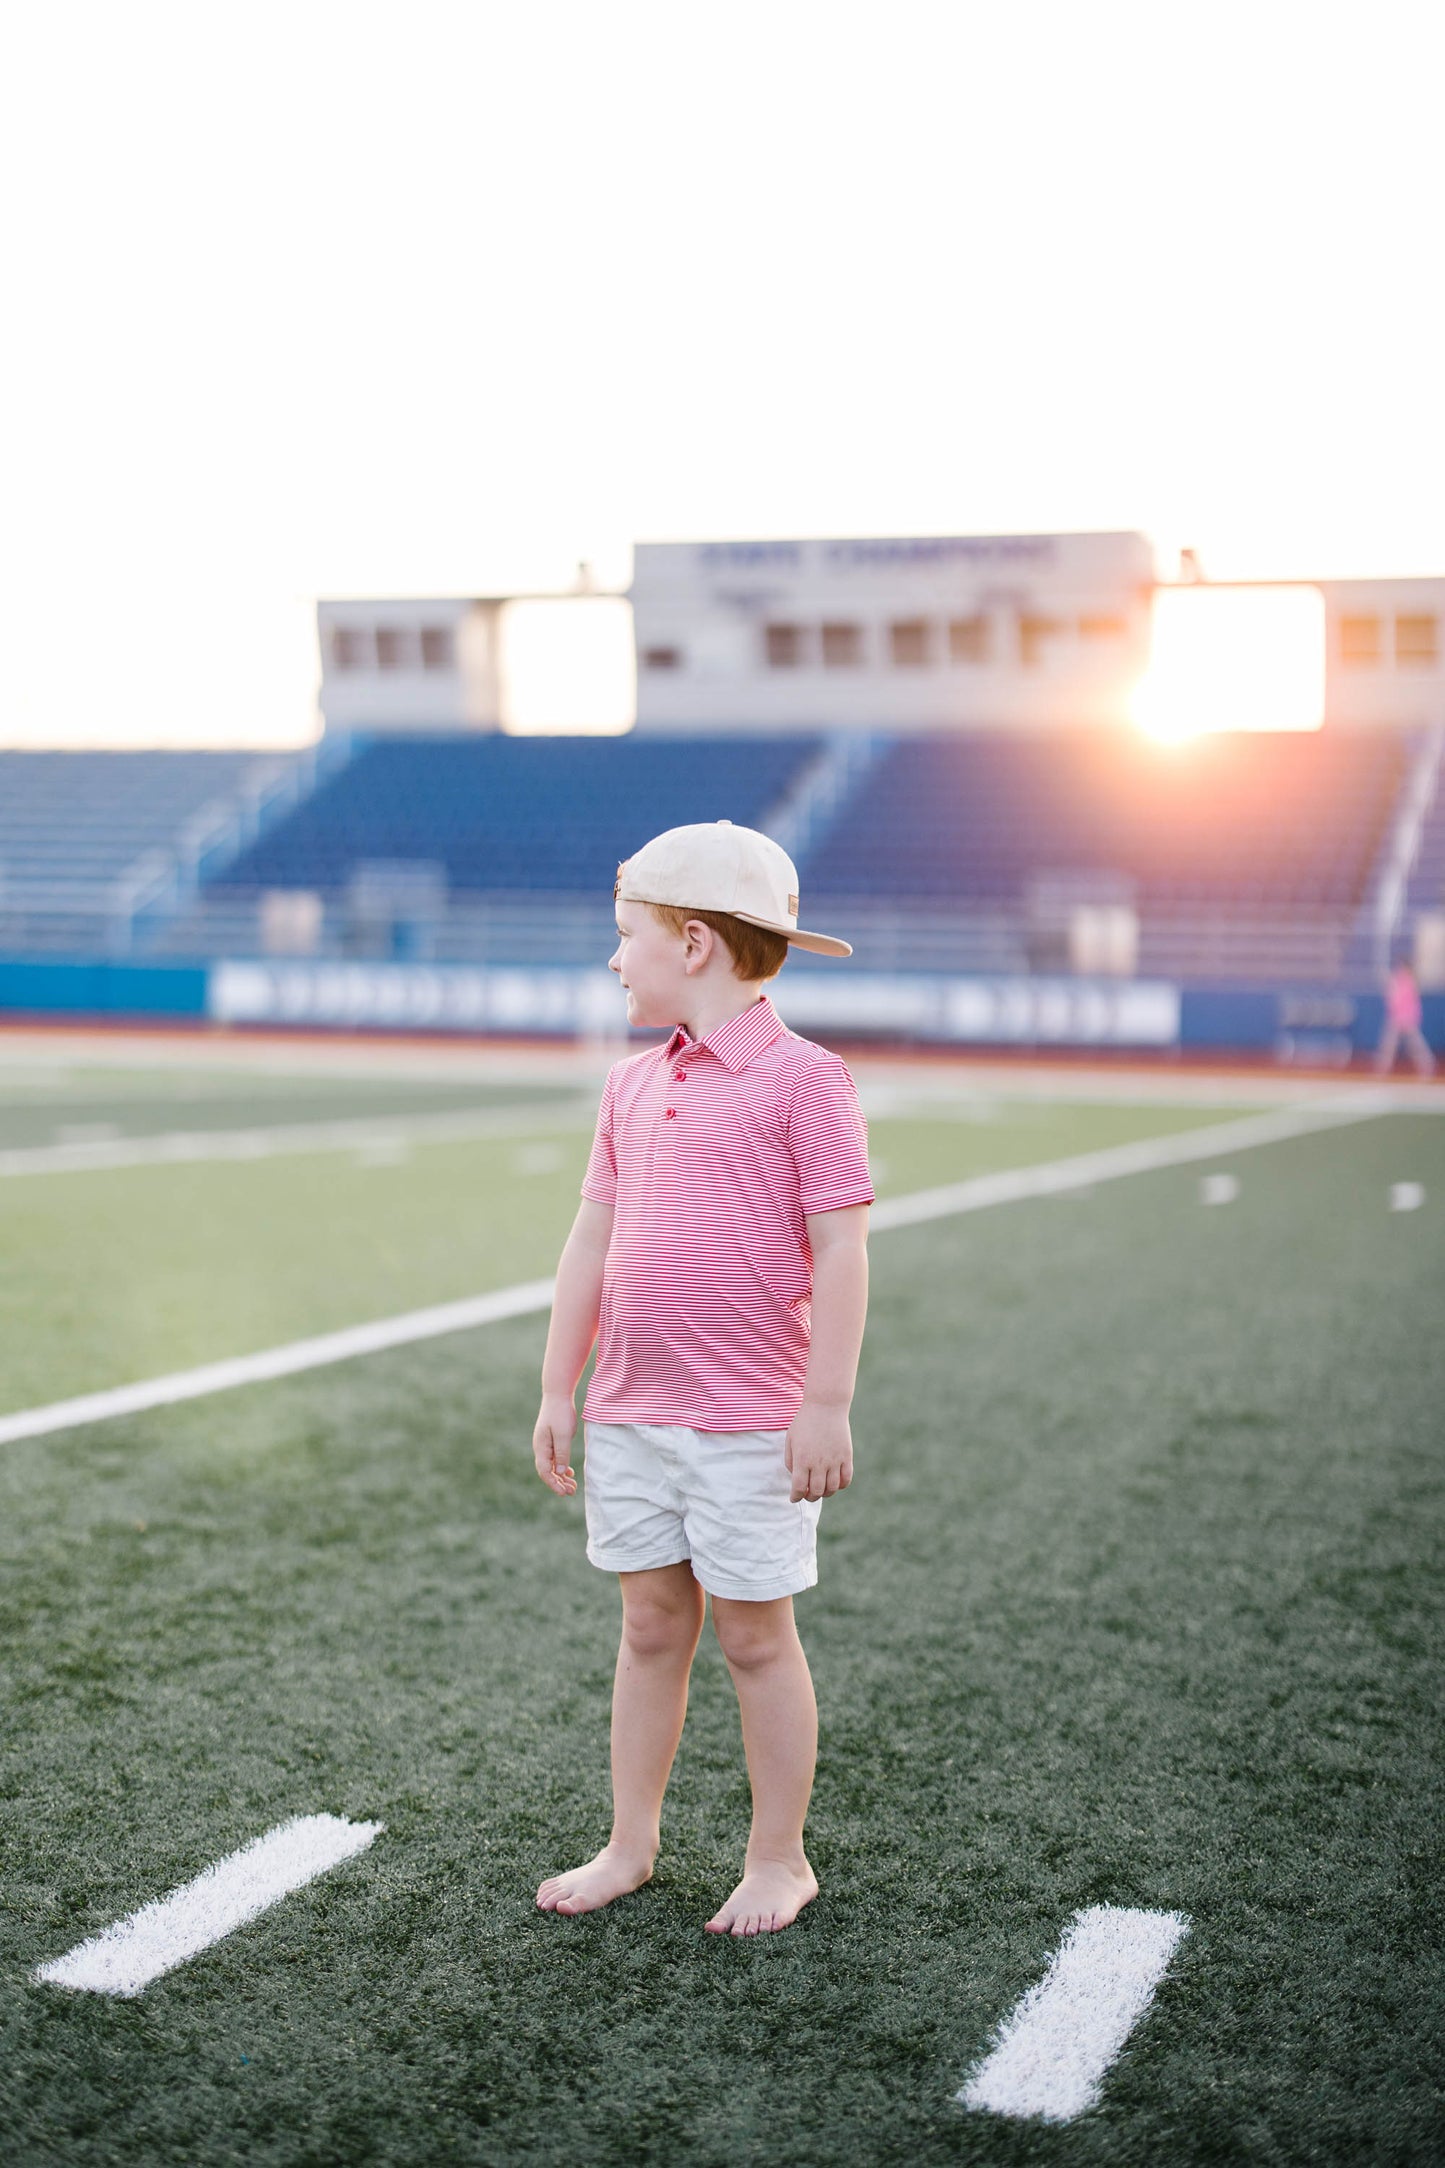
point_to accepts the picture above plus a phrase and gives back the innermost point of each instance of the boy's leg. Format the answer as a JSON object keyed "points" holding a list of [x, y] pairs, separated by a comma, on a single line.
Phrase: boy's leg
{"points": [[662, 1613], [780, 1739]]}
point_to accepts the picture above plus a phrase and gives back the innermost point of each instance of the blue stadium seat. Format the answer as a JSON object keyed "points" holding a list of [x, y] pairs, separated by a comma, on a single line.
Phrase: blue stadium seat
{"points": [[504, 814], [1245, 818]]}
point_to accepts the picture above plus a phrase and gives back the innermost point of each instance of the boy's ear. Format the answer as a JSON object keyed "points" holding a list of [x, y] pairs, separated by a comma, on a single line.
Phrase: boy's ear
{"points": [[700, 941]]}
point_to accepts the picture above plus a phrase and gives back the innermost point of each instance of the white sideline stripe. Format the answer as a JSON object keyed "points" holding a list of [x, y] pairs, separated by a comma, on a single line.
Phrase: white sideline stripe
{"points": [[185, 1147], [1144, 1157], [278, 1362], [387, 1332], [125, 1958], [1058, 2041]]}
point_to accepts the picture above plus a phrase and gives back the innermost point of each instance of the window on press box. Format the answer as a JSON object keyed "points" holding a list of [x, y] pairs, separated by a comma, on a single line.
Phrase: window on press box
{"points": [[1415, 640], [1359, 640], [968, 639], [909, 643], [783, 645], [1035, 634]]}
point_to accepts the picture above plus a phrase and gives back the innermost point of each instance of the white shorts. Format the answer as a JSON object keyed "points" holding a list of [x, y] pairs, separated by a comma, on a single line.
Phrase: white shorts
{"points": [[661, 1494]]}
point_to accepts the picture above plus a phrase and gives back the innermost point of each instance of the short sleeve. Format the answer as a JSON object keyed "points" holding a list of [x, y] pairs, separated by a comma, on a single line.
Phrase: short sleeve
{"points": [[829, 1138], [599, 1183]]}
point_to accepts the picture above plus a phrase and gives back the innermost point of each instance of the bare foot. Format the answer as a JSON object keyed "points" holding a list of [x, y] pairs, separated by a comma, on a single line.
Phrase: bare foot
{"points": [[769, 1896], [586, 1889]]}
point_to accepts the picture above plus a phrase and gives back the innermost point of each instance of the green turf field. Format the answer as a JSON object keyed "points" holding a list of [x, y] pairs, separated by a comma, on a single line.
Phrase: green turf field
{"points": [[1135, 1601]]}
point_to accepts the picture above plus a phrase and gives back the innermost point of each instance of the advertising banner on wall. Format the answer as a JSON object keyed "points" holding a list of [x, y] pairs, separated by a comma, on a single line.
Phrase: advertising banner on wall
{"points": [[934, 1008]]}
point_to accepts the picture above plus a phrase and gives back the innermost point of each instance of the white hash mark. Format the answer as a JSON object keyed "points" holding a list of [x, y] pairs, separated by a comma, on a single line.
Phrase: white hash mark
{"points": [[1059, 2040], [124, 1958]]}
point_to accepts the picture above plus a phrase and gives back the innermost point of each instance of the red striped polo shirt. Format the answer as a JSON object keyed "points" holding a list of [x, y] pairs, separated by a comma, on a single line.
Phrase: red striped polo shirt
{"points": [[712, 1153]]}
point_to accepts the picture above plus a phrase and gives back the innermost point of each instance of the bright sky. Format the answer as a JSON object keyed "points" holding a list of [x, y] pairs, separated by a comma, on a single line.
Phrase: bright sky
{"points": [[436, 297]]}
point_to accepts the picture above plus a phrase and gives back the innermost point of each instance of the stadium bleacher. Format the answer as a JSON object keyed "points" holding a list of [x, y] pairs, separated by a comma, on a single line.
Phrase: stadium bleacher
{"points": [[1246, 856], [1244, 819], [80, 833], [1426, 890], [1252, 857], [510, 814]]}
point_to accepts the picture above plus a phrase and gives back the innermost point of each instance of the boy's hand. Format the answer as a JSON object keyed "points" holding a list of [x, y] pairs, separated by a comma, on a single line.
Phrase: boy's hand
{"points": [[819, 1452], [552, 1443]]}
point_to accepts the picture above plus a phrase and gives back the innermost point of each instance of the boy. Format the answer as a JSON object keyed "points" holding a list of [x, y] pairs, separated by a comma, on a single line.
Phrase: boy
{"points": [[719, 1259]]}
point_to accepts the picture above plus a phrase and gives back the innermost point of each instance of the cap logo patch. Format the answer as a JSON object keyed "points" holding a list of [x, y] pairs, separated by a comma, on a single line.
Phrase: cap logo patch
{"points": [[792, 906], [617, 884]]}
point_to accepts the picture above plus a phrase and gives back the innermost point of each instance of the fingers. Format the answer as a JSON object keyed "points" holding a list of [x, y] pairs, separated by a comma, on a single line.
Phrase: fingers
{"points": [[549, 1451], [820, 1482]]}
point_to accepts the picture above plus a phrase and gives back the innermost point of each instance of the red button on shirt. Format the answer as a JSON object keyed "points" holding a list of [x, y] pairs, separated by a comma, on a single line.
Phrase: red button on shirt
{"points": [[707, 1289], [679, 1076]]}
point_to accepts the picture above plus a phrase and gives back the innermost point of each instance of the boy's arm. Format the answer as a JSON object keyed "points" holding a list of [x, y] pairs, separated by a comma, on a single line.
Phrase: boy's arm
{"points": [[576, 1307], [820, 1443]]}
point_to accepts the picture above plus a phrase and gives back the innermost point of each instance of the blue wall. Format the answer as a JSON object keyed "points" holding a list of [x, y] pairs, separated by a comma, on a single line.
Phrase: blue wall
{"points": [[70, 987], [1314, 1024]]}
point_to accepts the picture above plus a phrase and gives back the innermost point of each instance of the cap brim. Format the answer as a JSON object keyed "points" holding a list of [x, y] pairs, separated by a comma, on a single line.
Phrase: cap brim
{"points": [[821, 944]]}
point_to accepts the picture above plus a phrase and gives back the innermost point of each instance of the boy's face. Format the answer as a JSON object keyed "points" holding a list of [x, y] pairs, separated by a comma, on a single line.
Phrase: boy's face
{"points": [[649, 961]]}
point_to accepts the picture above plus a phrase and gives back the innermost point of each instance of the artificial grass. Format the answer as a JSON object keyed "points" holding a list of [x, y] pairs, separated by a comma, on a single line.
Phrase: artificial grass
{"points": [[41, 1106], [133, 1272], [1135, 1600]]}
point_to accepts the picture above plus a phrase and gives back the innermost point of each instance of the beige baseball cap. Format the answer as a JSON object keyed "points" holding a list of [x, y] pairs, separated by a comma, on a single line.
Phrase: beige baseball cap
{"points": [[714, 866]]}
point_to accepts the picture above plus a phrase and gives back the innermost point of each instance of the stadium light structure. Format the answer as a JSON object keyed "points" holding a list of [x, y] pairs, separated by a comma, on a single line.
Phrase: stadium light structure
{"points": [[1233, 657]]}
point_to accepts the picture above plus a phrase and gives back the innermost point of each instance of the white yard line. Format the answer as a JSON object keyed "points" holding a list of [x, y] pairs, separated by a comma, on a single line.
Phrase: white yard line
{"points": [[1011, 1184], [125, 1958], [1056, 2045], [180, 1147], [226, 1053], [278, 1362], [1007, 1187], [84, 1155]]}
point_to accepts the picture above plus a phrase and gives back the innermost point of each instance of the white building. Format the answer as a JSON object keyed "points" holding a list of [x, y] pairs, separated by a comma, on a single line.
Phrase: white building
{"points": [[1385, 651], [409, 665], [929, 633], [932, 633]]}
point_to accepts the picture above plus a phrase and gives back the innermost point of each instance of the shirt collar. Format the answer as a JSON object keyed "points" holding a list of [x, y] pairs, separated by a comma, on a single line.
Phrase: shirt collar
{"points": [[739, 1041]]}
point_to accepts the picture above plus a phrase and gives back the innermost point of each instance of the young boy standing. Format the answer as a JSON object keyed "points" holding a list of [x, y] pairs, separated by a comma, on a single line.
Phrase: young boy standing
{"points": [[719, 1261]]}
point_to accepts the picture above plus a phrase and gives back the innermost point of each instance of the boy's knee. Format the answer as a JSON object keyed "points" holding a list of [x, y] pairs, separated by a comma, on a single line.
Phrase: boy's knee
{"points": [[752, 1634], [653, 1625]]}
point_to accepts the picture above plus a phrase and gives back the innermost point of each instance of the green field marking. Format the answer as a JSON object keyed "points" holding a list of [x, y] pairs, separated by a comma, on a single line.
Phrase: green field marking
{"points": [[109, 1277], [1136, 1600]]}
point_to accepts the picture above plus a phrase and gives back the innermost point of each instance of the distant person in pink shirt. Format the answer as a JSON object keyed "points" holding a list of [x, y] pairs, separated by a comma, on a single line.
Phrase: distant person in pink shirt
{"points": [[719, 1262], [1402, 1023]]}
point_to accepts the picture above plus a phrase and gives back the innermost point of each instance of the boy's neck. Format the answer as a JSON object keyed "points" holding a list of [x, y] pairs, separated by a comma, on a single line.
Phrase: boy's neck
{"points": [[729, 1001]]}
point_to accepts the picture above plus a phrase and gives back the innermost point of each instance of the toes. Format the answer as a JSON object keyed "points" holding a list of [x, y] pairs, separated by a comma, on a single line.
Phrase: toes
{"points": [[559, 1896]]}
